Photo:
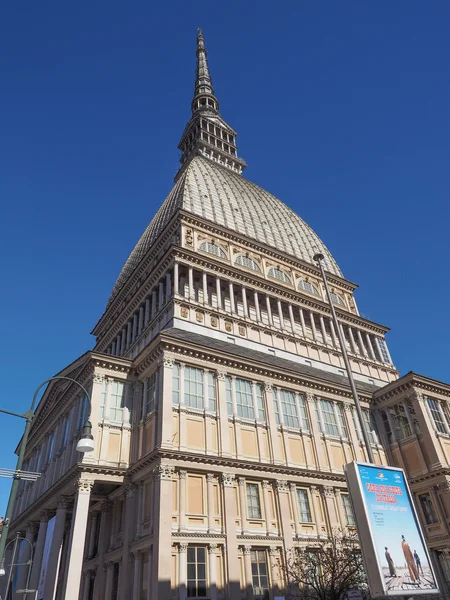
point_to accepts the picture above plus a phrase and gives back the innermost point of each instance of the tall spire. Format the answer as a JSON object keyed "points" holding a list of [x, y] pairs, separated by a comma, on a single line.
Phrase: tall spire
{"points": [[203, 84], [207, 134]]}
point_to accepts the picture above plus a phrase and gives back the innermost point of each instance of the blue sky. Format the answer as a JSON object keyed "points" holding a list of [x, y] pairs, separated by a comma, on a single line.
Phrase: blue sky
{"points": [[342, 112]]}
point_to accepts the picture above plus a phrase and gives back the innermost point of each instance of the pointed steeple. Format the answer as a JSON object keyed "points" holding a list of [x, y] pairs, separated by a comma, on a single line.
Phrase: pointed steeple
{"points": [[207, 134]]}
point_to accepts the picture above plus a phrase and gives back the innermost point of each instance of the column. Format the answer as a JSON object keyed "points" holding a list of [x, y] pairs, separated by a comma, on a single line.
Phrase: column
{"points": [[313, 325], [140, 510], [243, 504], [212, 571], [255, 401], [352, 340], [210, 500], [315, 509], [302, 321], [232, 307], [324, 331], [369, 345], [153, 303], [103, 544], [55, 549], [38, 551], [361, 343], [182, 500], [218, 292], [182, 575], [266, 503], [340, 508], [168, 285], [160, 295], [92, 531], [317, 438], [175, 278], [141, 319], [161, 563], [77, 538], [137, 575], [191, 283], [280, 313], [109, 579], [248, 573], [224, 445], [231, 536], [437, 457], [244, 301], [257, 309], [295, 510], [285, 513], [330, 507], [129, 521], [333, 333], [123, 341], [205, 287], [269, 310], [86, 585], [135, 327], [291, 317]]}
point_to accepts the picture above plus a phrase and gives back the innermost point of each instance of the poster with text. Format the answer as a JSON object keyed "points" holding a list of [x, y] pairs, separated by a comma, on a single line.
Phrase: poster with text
{"points": [[45, 557], [385, 511]]}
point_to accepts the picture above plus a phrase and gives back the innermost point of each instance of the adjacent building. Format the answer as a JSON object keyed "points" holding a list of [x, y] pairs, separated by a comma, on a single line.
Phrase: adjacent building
{"points": [[222, 416]]}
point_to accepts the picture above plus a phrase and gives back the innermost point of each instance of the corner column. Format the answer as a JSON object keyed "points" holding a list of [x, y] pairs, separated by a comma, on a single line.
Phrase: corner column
{"points": [[182, 571], [161, 564], [55, 549], [234, 578]]}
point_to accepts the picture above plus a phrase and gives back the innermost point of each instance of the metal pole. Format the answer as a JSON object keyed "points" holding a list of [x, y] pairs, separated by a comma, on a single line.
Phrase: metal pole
{"points": [[319, 258], [8, 582], [29, 416]]}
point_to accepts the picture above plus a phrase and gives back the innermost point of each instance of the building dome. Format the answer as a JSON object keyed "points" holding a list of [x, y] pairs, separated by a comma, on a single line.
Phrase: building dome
{"points": [[224, 197]]}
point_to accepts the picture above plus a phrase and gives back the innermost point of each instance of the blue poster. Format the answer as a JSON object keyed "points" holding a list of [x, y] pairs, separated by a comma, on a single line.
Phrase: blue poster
{"points": [[402, 557]]}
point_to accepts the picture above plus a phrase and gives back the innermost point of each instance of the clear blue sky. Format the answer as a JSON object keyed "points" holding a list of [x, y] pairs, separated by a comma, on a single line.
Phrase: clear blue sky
{"points": [[342, 110]]}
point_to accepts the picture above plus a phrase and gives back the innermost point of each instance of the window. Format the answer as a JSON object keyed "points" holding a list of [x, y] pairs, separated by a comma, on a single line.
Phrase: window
{"points": [[150, 394], [116, 401], [329, 418], [303, 415], [211, 392], [306, 286], [260, 403], [253, 503], [341, 421], [229, 396], [289, 409], [213, 248], [428, 509], [196, 572], [193, 387], [337, 299], [175, 384], [369, 425], [83, 412], [303, 506], [38, 459], [103, 400], [387, 426], [51, 443], [65, 430], [348, 511], [248, 263], [383, 349], [401, 423], [275, 406], [259, 573], [115, 582], [244, 399], [277, 273], [437, 415]]}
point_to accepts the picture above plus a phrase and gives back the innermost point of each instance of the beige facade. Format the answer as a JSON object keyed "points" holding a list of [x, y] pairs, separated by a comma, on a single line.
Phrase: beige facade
{"points": [[222, 416]]}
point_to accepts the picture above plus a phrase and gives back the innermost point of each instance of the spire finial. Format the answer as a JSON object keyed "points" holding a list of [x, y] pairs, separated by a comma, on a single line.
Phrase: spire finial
{"points": [[204, 92]]}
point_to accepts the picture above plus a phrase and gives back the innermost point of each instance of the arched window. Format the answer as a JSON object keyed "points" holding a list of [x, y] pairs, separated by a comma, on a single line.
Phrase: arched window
{"points": [[306, 286], [277, 273], [248, 263], [212, 248], [337, 299]]}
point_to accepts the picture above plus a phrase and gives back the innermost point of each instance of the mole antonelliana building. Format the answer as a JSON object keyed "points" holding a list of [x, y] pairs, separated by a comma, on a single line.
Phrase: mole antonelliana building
{"points": [[222, 415]]}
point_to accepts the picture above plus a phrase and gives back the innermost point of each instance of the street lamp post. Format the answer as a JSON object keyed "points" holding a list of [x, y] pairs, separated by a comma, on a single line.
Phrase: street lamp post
{"points": [[85, 444]]}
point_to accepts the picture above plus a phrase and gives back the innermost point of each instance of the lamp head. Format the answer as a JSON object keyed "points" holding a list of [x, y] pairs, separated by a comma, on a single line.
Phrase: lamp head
{"points": [[86, 441], [318, 257]]}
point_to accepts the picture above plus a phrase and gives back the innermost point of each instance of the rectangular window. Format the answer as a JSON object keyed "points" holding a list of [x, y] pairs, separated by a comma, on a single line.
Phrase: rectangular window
{"points": [[229, 396], [51, 442], [275, 406], [175, 384], [65, 430], [437, 415], [348, 511], [341, 419], [303, 415], [211, 392], [150, 396], [83, 412], [38, 459], [116, 402], [401, 423], [244, 399], [103, 400], [428, 509], [260, 403], [303, 506], [196, 572], [289, 409], [329, 418], [193, 387], [253, 503], [383, 349], [260, 577]]}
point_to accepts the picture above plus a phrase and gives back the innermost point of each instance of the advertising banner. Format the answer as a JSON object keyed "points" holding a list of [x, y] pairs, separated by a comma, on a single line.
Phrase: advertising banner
{"points": [[394, 551], [45, 557]]}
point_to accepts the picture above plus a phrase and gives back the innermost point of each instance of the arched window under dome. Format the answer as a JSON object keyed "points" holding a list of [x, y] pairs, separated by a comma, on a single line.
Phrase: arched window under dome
{"points": [[306, 286], [277, 273], [248, 263], [337, 299], [213, 248]]}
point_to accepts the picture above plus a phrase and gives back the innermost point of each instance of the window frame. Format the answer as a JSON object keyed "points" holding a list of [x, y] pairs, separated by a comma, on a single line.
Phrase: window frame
{"points": [[436, 411], [429, 512], [256, 560], [280, 276], [220, 253], [348, 509], [239, 261], [253, 507], [303, 284], [196, 579], [245, 410], [307, 505]]}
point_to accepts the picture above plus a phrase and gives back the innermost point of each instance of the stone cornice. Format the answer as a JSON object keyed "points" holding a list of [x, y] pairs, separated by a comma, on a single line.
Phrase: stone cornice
{"points": [[407, 384]]}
